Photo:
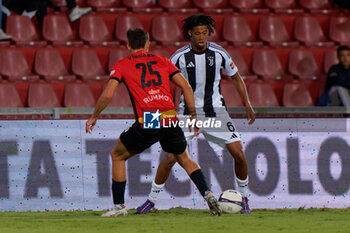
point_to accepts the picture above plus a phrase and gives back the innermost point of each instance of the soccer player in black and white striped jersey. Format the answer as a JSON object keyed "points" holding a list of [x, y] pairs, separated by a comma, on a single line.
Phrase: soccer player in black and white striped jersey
{"points": [[200, 62]]}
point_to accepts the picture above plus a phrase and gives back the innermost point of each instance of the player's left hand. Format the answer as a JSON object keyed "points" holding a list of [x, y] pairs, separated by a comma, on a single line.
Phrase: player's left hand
{"points": [[90, 124], [250, 114]]}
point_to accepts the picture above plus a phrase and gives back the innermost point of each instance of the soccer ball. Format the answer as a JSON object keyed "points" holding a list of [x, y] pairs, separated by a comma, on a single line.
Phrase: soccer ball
{"points": [[230, 201]]}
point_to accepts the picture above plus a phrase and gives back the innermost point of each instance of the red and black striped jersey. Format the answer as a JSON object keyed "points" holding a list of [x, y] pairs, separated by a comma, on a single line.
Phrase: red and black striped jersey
{"points": [[147, 77]]}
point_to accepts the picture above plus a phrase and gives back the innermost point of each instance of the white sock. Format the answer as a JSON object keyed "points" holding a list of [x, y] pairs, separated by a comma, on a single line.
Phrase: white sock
{"points": [[243, 186], [156, 189], [119, 206]]}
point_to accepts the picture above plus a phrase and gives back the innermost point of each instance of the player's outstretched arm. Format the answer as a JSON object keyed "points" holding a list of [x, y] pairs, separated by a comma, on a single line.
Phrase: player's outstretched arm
{"points": [[242, 90], [180, 81], [102, 103]]}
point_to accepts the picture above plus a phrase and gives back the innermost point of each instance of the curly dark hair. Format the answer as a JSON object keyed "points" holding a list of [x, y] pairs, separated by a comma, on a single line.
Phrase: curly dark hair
{"points": [[198, 20]]}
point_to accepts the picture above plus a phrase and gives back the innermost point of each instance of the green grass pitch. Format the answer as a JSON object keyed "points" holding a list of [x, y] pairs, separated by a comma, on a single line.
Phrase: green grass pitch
{"points": [[179, 220]]}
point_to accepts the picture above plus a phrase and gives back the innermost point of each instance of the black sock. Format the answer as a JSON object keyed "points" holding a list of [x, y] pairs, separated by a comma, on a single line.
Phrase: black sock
{"points": [[118, 190], [199, 180]]}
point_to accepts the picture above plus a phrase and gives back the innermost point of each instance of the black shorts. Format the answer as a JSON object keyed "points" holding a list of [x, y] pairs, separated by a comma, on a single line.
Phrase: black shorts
{"points": [[136, 139]]}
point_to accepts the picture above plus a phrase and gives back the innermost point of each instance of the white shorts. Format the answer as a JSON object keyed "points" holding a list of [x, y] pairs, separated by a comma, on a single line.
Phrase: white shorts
{"points": [[216, 136]]}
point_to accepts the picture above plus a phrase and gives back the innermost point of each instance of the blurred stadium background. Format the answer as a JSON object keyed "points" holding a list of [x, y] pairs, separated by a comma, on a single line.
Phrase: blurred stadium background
{"points": [[283, 48]]}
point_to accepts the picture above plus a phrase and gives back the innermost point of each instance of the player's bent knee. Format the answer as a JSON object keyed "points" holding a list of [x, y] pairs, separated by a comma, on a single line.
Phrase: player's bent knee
{"points": [[239, 157], [171, 160], [118, 155], [115, 155], [183, 158], [236, 151], [119, 152]]}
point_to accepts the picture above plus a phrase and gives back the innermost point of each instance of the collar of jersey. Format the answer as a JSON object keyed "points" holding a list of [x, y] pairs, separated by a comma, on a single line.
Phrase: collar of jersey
{"points": [[138, 52]]}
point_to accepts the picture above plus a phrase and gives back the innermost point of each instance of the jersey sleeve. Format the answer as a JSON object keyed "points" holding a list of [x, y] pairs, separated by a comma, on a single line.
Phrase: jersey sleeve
{"points": [[116, 73], [228, 64], [172, 69]]}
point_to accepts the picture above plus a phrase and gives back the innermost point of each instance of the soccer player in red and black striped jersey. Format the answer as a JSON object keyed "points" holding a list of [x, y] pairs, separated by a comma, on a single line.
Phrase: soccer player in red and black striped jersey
{"points": [[147, 78]]}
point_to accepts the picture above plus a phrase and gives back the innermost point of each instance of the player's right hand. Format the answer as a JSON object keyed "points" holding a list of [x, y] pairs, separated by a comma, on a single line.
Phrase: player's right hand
{"points": [[195, 128], [90, 124]]}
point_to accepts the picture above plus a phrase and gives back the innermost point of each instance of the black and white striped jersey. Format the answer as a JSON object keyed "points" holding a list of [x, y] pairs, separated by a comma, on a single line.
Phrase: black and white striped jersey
{"points": [[203, 72]]}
